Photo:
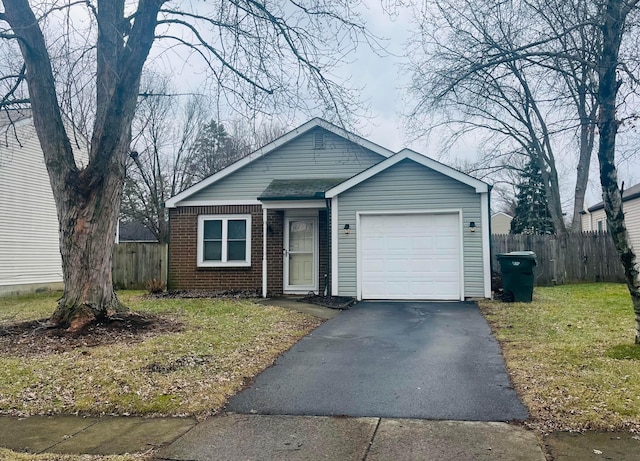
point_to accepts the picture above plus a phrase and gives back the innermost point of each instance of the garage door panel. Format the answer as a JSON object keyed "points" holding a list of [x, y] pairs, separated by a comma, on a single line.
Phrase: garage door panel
{"points": [[413, 256]]}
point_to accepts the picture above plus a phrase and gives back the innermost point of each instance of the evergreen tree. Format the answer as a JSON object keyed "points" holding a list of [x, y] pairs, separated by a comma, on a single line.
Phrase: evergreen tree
{"points": [[532, 214], [213, 150]]}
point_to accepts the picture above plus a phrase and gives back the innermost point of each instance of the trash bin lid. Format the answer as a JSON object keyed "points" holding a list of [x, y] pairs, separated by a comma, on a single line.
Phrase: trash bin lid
{"points": [[518, 254]]}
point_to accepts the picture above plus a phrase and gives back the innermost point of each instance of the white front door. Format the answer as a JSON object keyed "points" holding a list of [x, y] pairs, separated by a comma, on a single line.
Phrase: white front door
{"points": [[301, 254]]}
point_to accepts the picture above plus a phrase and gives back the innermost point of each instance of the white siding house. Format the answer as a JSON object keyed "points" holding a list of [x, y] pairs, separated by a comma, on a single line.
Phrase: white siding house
{"points": [[595, 219], [29, 246], [501, 223]]}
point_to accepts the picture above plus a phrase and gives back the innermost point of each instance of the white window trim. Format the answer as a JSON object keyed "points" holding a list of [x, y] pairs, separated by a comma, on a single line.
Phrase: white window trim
{"points": [[224, 218]]}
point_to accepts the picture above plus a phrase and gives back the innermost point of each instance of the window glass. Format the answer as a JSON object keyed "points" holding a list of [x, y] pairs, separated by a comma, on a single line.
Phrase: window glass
{"points": [[223, 240], [237, 251], [213, 251], [237, 229], [213, 229]]}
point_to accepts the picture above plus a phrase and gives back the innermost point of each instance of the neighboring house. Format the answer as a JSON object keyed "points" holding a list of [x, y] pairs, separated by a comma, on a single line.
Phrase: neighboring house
{"points": [[29, 248], [323, 210], [134, 231], [501, 223], [595, 219]]}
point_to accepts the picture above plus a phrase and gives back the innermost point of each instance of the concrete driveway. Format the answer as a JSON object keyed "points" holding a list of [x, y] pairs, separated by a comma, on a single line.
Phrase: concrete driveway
{"points": [[428, 360]]}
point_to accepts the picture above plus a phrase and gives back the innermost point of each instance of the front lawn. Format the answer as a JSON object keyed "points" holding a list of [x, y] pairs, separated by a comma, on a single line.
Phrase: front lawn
{"points": [[205, 351], [571, 356]]}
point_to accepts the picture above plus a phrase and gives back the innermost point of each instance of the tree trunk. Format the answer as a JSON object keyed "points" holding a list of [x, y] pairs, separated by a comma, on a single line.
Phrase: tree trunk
{"points": [[87, 237], [614, 19], [582, 177]]}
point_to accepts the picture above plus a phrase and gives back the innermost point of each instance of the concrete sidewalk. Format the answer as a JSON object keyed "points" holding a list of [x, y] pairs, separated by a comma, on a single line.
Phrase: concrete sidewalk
{"points": [[252, 437], [260, 437]]}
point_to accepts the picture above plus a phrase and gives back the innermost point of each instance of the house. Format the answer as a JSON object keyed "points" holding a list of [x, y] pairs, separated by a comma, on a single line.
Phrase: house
{"points": [[501, 223], [134, 232], [595, 219], [29, 248], [323, 210]]}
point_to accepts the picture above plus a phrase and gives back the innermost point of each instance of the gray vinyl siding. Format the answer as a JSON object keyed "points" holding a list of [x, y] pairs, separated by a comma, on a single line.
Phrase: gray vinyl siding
{"points": [[412, 187], [29, 247], [295, 160]]}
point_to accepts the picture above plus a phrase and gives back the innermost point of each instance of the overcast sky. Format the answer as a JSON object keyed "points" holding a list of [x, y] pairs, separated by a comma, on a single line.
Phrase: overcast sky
{"points": [[383, 85]]}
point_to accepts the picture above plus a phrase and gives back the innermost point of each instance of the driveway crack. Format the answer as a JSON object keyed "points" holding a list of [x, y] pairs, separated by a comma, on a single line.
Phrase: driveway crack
{"points": [[373, 436]]}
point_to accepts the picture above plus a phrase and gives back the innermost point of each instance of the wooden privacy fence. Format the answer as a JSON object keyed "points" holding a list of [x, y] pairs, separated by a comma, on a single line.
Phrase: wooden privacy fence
{"points": [[134, 264], [584, 257]]}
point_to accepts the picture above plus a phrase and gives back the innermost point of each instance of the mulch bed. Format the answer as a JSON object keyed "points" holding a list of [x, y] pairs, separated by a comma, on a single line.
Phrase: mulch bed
{"points": [[333, 302], [36, 337], [193, 294]]}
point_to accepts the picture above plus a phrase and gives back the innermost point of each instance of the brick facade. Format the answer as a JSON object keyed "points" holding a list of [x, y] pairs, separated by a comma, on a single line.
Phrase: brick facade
{"points": [[184, 272]]}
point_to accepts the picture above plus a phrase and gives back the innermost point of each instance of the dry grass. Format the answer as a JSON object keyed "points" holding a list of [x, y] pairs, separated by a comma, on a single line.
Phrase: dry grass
{"points": [[571, 356], [222, 345], [9, 455]]}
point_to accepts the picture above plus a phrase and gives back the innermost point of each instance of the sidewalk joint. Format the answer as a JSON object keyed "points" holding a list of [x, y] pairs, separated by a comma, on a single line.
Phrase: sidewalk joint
{"points": [[373, 436], [70, 436]]}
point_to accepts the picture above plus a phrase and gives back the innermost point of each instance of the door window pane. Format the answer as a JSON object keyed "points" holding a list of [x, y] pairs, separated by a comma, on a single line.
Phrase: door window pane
{"points": [[301, 236]]}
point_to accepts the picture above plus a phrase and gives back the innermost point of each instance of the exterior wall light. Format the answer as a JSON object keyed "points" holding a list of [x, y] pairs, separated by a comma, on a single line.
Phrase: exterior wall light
{"points": [[347, 229], [472, 226]]}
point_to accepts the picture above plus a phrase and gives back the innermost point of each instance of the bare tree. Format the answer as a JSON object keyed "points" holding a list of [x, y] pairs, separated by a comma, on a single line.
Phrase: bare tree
{"points": [[164, 132], [611, 69], [480, 67], [259, 54], [593, 46]]}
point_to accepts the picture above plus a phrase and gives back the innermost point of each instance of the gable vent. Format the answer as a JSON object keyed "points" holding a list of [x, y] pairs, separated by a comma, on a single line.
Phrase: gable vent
{"points": [[318, 140]]}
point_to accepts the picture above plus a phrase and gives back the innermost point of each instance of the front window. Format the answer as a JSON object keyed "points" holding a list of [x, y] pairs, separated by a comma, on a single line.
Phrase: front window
{"points": [[224, 240]]}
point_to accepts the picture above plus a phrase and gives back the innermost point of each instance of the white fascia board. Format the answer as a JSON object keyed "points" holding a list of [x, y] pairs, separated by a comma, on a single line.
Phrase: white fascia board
{"points": [[313, 123], [502, 213], [215, 203], [293, 204], [478, 185], [334, 246]]}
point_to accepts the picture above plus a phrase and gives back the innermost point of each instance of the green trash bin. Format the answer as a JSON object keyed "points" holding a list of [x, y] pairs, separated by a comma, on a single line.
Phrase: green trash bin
{"points": [[516, 269]]}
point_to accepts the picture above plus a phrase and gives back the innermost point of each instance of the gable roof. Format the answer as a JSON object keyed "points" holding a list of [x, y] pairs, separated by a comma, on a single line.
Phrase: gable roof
{"points": [[627, 194], [272, 146], [409, 154]]}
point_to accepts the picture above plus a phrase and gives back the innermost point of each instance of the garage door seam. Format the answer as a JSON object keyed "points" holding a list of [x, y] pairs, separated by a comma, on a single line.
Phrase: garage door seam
{"points": [[373, 436]]}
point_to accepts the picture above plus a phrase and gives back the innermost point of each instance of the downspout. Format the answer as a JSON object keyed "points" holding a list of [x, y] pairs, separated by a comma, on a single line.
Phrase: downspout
{"points": [[327, 275], [490, 232]]}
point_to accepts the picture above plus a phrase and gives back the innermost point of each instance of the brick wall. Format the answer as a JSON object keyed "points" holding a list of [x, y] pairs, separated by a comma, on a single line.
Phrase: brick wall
{"points": [[323, 253], [275, 244], [185, 274]]}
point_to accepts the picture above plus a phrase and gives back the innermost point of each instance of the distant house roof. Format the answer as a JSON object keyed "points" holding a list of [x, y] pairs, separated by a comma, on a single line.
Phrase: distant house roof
{"points": [[10, 116], [502, 213], [299, 189], [628, 194], [135, 231]]}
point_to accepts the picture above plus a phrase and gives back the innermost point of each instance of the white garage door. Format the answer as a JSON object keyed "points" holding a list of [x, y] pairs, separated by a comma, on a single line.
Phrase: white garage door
{"points": [[413, 256]]}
